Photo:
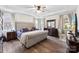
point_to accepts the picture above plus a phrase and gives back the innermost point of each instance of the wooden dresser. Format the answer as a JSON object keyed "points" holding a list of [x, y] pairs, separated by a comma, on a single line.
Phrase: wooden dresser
{"points": [[11, 36]]}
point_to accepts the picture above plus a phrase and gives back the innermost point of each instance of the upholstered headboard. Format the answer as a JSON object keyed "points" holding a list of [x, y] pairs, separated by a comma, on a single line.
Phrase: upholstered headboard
{"points": [[20, 25]]}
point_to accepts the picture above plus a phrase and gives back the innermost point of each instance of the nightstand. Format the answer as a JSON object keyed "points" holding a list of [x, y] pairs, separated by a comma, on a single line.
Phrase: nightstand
{"points": [[11, 36]]}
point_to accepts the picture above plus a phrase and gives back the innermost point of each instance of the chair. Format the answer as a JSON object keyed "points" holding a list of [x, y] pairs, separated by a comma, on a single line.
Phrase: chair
{"points": [[73, 45], [72, 48]]}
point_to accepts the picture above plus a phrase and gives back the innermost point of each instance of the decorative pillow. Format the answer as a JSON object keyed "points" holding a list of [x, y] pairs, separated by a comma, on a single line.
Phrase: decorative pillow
{"points": [[19, 33], [33, 28], [25, 29], [21, 30]]}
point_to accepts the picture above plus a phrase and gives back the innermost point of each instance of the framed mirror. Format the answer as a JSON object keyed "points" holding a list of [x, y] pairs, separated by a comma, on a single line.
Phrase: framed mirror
{"points": [[51, 23]]}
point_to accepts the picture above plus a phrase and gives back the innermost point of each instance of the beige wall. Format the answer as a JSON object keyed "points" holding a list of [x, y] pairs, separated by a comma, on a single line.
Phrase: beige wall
{"points": [[23, 18]]}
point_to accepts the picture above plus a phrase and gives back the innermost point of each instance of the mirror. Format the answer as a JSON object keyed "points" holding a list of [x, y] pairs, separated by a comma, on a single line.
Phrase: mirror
{"points": [[51, 23]]}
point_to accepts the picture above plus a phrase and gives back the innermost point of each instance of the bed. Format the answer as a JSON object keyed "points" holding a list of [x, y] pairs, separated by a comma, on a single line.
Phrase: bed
{"points": [[30, 38]]}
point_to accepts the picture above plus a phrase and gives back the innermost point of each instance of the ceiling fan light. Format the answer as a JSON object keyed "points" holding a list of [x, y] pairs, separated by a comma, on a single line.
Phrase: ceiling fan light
{"points": [[39, 8], [39, 11]]}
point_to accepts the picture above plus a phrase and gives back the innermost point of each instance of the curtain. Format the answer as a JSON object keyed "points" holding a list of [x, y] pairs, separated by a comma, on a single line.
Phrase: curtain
{"points": [[8, 22], [39, 23]]}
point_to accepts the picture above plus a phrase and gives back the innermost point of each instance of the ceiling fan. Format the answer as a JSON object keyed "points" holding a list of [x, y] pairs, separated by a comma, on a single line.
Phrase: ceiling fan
{"points": [[40, 8]]}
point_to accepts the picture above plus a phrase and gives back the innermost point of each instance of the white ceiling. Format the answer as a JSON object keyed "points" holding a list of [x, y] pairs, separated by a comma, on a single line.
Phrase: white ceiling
{"points": [[30, 10]]}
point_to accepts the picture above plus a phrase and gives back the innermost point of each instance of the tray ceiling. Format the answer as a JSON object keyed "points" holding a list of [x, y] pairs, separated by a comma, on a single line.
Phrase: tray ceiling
{"points": [[30, 9]]}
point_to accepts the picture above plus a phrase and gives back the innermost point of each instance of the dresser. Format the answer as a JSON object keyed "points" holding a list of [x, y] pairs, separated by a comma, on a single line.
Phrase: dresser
{"points": [[52, 32]]}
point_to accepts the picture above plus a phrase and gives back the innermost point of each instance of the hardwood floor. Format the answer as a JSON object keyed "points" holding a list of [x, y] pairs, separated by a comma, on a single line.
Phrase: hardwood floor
{"points": [[51, 45]]}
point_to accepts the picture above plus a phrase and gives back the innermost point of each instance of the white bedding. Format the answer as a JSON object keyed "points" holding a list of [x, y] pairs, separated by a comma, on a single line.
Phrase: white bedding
{"points": [[30, 38]]}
